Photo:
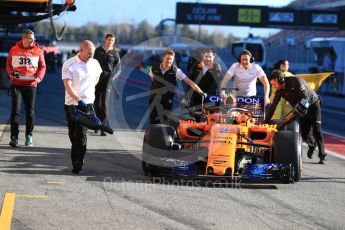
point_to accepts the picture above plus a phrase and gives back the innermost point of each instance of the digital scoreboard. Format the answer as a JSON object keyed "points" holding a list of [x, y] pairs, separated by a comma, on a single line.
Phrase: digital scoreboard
{"points": [[258, 16]]}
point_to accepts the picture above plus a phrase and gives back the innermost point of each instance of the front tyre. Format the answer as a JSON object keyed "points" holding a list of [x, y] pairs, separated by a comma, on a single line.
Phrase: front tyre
{"points": [[287, 148]]}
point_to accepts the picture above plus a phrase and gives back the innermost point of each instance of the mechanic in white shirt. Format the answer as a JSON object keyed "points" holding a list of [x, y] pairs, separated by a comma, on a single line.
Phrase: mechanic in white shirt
{"points": [[245, 73], [80, 75]]}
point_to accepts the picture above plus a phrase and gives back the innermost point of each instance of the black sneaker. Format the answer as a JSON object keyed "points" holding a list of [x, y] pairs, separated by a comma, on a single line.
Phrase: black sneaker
{"points": [[310, 153], [14, 142], [323, 160], [103, 133], [77, 166], [75, 171]]}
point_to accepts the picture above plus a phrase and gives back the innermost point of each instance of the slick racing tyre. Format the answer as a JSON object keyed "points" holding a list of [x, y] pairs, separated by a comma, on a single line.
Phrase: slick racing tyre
{"points": [[287, 148], [293, 126], [158, 143], [149, 170]]}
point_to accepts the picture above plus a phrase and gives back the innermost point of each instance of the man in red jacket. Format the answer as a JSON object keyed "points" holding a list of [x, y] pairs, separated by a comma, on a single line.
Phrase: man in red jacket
{"points": [[26, 67]]}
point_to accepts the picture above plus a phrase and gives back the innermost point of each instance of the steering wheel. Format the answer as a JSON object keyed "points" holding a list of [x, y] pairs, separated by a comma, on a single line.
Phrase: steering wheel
{"points": [[213, 108], [196, 112], [210, 108]]}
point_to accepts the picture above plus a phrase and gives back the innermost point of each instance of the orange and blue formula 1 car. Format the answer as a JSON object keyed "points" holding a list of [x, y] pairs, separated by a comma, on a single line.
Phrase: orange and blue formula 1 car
{"points": [[225, 141]]}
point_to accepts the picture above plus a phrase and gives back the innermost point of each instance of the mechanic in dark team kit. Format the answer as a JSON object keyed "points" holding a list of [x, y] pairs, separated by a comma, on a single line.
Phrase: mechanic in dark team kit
{"points": [[26, 67], [298, 93], [206, 74], [164, 79], [109, 59]]}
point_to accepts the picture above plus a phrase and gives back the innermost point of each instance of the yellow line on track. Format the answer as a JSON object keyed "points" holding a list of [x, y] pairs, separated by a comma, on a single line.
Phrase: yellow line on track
{"points": [[8, 207], [30, 196], [56, 182], [7, 211]]}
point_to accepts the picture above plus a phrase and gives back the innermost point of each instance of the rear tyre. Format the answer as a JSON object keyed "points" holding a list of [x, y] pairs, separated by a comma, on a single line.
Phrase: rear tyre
{"points": [[287, 148]]}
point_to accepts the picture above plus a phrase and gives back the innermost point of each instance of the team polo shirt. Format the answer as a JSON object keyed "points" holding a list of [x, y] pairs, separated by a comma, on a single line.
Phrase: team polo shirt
{"points": [[245, 79], [83, 76]]}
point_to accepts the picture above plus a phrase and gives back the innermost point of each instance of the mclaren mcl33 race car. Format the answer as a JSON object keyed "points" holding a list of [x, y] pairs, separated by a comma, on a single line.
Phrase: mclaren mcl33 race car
{"points": [[226, 141]]}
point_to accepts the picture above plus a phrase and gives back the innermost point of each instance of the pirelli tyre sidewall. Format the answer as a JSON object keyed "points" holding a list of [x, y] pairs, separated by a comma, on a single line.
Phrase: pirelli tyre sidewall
{"points": [[287, 148]]}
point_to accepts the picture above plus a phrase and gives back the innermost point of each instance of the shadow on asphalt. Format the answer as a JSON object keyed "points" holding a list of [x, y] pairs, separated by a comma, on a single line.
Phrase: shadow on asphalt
{"points": [[102, 165], [339, 180], [56, 161]]}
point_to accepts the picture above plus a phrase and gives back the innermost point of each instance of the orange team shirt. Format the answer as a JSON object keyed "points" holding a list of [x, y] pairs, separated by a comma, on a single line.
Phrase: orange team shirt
{"points": [[29, 62]]}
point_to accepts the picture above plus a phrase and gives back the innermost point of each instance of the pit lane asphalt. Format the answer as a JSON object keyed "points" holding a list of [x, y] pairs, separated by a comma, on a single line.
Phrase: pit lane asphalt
{"points": [[112, 193]]}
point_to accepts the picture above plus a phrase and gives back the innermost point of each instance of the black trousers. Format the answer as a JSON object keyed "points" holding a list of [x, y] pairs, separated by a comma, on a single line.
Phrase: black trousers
{"points": [[100, 96], [28, 95], [77, 136], [161, 106], [313, 121]]}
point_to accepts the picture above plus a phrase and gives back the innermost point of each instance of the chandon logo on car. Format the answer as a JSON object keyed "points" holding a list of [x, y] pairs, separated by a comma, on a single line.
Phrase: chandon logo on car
{"points": [[245, 100], [248, 100], [214, 99]]}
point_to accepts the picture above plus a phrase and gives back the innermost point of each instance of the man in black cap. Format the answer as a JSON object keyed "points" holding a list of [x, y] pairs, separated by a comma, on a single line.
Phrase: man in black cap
{"points": [[298, 93]]}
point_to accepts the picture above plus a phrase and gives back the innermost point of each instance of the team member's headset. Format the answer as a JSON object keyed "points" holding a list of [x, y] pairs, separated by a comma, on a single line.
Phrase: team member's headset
{"points": [[246, 52], [278, 74]]}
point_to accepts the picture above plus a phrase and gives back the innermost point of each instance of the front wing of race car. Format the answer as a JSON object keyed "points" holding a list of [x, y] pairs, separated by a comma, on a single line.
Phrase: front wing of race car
{"points": [[252, 172]]}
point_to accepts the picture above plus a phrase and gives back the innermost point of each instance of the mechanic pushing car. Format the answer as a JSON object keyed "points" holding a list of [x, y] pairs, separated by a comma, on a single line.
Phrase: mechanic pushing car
{"points": [[298, 93], [245, 73], [163, 87], [206, 74]]}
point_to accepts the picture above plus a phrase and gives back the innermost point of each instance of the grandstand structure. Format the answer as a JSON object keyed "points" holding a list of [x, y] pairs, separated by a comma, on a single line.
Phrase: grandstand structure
{"points": [[293, 44], [292, 37], [317, 4]]}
